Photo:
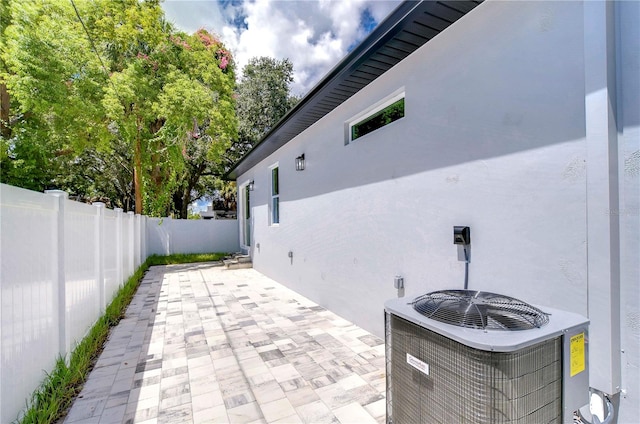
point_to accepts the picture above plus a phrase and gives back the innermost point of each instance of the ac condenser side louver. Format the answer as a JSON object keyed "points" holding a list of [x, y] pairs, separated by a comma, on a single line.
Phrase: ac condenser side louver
{"points": [[460, 356]]}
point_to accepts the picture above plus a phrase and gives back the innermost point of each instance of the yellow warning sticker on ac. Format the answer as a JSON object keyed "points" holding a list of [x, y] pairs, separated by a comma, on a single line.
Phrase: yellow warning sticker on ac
{"points": [[577, 354]]}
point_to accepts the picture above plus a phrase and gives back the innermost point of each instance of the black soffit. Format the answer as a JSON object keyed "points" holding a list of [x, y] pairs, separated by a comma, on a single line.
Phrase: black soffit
{"points": [[408, 27]]}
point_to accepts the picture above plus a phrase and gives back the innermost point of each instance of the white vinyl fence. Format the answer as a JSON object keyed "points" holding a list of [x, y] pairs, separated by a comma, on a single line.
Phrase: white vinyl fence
{"points": [[61, 263]]}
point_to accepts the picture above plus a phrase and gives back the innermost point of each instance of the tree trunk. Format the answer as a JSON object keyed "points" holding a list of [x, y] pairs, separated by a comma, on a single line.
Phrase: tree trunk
{"points": [[5, 128], [137, 173], [184, 210], [196, 173]]}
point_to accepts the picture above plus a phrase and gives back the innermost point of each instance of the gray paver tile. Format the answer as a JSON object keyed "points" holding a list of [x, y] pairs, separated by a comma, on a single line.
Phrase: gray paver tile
{"points": [[86, 410], [277, 409], [245, 413], [119, 386], [353, 413], [113, 415], [315, 412], [268, 392], [145, 392], [125, 373], [117, 399], [204, 384], [174, 401], [142, 415], [302, 396], [151, 421], [211, 415], [377, 409], [177, 414], [134, 405]]}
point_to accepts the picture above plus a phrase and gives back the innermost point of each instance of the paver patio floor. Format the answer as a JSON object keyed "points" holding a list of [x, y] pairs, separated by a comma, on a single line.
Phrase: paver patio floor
{"points": [[204, 344]]}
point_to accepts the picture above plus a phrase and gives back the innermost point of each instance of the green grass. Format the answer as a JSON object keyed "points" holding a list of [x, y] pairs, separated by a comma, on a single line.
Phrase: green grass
{"points": [[54, 397], [182, 258]]}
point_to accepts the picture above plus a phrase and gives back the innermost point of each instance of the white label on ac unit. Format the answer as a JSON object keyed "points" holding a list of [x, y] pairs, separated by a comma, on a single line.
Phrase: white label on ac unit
{"points": [[418, 364]]}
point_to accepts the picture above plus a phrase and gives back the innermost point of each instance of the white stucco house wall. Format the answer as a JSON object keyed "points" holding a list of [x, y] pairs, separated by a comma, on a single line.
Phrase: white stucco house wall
{"points": [[521, 121]]}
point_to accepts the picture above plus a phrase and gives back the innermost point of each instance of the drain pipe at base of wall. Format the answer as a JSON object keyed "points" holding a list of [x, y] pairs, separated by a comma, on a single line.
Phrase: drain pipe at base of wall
{"points": [[596, 409]]}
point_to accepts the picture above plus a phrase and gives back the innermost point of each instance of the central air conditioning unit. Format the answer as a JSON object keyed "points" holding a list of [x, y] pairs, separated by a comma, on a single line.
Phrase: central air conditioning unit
{"points": [[462, 356]]}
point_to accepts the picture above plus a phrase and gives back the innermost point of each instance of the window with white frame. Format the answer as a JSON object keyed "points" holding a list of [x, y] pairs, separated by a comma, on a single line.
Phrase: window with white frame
{"points": [[388, 111], [274, 206]]}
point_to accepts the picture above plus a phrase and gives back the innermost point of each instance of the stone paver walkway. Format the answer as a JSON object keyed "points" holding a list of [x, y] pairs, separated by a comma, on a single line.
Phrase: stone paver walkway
{"points": [[203, 344]]}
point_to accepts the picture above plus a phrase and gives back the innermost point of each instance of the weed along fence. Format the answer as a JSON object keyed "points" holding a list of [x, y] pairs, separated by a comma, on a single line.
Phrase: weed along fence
{"points": [[62, 262]]}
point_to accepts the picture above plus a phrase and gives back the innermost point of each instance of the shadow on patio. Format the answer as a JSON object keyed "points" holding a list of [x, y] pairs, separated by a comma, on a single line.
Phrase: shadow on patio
{"points": [[200, 343]]}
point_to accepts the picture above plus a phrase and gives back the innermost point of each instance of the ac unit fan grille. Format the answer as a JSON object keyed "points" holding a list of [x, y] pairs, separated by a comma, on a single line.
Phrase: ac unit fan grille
{"points": [[481, 310]]}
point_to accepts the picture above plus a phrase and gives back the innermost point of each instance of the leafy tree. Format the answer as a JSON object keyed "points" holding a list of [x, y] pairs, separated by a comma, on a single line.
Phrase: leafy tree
{"points": [[174, 103], [96, 175], [225, 196], [263, 97], [113, 96], [5, 129], [51, 107], [208, 99]]}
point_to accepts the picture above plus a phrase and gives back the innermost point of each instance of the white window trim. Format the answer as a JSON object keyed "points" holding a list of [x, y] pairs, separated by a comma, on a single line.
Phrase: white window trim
{"points": [[377, 107], [272, 196]]}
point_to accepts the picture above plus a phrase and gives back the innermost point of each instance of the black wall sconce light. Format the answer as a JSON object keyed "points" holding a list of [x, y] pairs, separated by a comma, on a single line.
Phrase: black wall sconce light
{"points": [[300, 163], [251, 185]]}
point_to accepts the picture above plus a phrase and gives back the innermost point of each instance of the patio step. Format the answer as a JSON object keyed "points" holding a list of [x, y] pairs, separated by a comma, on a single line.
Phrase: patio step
{"points": [[238, 261]]}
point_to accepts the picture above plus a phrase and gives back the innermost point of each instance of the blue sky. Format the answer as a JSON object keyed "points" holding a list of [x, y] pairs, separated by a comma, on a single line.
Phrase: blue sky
{"points": [[314, 34]]}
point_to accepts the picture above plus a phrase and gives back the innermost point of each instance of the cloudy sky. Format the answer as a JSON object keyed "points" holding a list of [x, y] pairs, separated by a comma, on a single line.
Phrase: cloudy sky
{"points": [[314, 34]]}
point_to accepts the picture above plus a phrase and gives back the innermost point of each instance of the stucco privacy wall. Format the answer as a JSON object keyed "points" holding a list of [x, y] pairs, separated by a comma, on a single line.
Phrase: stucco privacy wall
{"points": [[166, 236], [494, 137]]}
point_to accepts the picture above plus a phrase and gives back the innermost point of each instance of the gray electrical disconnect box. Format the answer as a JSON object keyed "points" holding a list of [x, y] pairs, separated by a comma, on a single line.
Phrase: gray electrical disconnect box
{"points": [[398, 282]]}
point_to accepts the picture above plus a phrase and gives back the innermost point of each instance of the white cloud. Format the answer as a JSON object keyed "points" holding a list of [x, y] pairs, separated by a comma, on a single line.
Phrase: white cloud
{"points": [[314, 35]]}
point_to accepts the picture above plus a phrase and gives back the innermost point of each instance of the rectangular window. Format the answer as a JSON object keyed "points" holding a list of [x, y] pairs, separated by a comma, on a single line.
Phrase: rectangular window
{"points": [[389, 111], [275, 196], [247, 216]]}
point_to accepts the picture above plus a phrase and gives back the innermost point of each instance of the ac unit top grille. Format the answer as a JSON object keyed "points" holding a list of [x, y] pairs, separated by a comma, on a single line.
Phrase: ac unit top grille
{"points": [[481, 310]]}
